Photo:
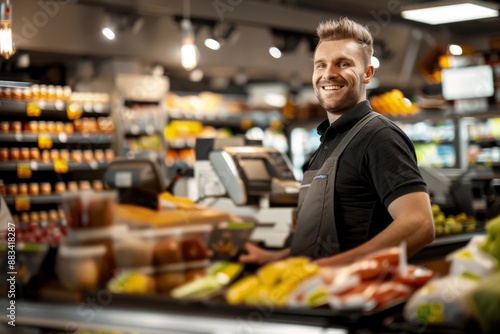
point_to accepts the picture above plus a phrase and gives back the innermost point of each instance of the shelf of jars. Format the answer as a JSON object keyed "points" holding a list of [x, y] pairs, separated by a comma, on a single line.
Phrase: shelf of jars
{"points": [[52, 140]]}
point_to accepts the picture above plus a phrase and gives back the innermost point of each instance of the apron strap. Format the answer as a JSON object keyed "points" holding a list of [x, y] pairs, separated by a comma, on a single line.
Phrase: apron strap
{"points": [[331, 162]]}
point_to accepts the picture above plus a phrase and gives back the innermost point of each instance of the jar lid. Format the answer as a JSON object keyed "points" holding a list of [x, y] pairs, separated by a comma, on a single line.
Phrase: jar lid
{"points": [[147, 270], [92, 234], [179, 266], [85, 251]]}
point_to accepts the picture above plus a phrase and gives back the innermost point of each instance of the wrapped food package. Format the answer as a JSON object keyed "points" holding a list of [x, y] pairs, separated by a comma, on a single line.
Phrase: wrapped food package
{"points": [[471, 261], [442, 301]]}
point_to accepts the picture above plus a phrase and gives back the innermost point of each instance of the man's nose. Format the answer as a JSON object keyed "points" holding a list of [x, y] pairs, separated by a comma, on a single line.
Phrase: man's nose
{"points": [[330, 72]]}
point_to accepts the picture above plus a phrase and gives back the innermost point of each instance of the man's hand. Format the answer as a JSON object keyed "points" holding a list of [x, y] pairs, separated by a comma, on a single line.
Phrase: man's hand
{"points": [[259, 256]]}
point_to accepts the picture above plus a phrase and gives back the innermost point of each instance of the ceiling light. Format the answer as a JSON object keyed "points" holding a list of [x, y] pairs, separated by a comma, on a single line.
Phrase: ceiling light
{"points": [[212, 44], [440, 12], [275, 52], [116, 23], [6, 44], [455, 49], [189, 51], [108, 33], [375, 62]]}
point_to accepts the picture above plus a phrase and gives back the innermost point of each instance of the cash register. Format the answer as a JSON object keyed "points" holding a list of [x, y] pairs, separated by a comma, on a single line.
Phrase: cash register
{"points": [[252, 182], [250, 173]]}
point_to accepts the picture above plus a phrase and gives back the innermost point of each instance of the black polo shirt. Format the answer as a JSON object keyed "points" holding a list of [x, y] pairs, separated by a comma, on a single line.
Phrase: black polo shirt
{"points": [[378, 166]]}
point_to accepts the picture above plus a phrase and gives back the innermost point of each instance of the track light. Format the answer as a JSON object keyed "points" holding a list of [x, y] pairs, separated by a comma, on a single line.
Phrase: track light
{"points": [[220, 34], [275, 52], [108, 33], [284, 41], [6, 44], [212, 44], [375, 62], [116, 23]]}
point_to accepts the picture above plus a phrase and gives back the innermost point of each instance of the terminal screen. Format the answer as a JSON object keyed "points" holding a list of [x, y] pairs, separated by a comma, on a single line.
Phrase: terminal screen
{"points": [[255, 169]]}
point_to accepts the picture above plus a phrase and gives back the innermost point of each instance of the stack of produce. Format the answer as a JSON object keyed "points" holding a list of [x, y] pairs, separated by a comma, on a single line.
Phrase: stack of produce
{"points": [[393, 103], [452, 224], [367, 284], [470, 293]]}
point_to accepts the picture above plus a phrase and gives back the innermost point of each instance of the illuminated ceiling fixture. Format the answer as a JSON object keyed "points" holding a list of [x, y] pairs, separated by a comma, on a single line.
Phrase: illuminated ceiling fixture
{"points": [[455, 49], [189, 51], [212, 44], [275, 52], [221, 33], [109, 33], [116, 23], [6, 44], [439, 12], [284, 41]]}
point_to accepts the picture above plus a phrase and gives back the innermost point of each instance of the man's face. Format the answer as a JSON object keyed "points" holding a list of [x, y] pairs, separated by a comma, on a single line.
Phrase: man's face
{"points": [[340, 75]]}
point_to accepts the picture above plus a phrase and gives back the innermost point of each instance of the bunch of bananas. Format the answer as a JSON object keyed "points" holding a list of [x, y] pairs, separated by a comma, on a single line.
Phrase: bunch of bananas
{"points": [[273, 283]]}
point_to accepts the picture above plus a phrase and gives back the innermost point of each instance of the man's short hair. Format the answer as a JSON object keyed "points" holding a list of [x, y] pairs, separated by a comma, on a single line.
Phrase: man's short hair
{"points": [[345, 28]]}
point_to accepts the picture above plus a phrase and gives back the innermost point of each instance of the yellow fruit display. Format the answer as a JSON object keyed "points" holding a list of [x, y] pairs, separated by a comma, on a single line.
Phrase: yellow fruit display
{"points": [[393, 103], [452, 224], [132, 282], [273, 283]]}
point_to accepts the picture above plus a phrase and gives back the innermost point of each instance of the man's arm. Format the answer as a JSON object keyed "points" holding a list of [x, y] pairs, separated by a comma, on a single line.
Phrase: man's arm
{"points": [[259, 256], [413, 222]]}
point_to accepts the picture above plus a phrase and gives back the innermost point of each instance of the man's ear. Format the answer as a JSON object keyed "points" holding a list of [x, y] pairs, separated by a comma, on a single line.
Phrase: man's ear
{"points": [[369, 73]]}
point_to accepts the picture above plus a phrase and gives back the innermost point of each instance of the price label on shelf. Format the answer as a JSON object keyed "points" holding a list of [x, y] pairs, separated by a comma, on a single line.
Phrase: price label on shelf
{"points": [[24, 171], [33, 109], [44, 142], [60, 166], [22, 203], [74, 110]]}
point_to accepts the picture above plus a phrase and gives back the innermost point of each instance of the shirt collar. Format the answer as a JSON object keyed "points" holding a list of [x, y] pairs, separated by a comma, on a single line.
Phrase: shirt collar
{"points": [[344, 122]]}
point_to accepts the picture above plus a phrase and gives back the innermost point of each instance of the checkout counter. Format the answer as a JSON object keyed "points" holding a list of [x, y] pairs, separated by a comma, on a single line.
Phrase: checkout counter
{"points": [[248, 181]]}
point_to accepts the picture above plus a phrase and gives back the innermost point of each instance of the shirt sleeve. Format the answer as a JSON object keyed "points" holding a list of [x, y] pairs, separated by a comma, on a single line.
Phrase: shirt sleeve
{"points": [[391, 165]]}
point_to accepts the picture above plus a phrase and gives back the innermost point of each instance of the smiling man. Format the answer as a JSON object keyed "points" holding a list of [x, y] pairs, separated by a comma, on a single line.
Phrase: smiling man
{"points": [[362, 191]]}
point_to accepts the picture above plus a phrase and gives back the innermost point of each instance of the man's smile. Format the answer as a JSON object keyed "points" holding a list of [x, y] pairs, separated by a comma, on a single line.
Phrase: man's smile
{"points": [[331, 87]]}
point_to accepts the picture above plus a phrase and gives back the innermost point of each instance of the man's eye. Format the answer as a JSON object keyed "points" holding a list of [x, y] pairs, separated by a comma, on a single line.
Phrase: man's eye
{"points": [[343, 64], [320, 66]]}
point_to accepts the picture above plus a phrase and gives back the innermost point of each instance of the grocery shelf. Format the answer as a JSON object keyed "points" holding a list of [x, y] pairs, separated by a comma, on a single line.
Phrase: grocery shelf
{"points": [[35, 200], [439, 142], [257, 119], [11, 166], [49, 109], [60, 138], [445, 114], [486, 142], [444, 245]]}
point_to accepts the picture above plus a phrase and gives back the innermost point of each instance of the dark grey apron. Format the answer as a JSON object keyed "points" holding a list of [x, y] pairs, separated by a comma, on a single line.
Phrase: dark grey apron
{"points": [[316, 233]]}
